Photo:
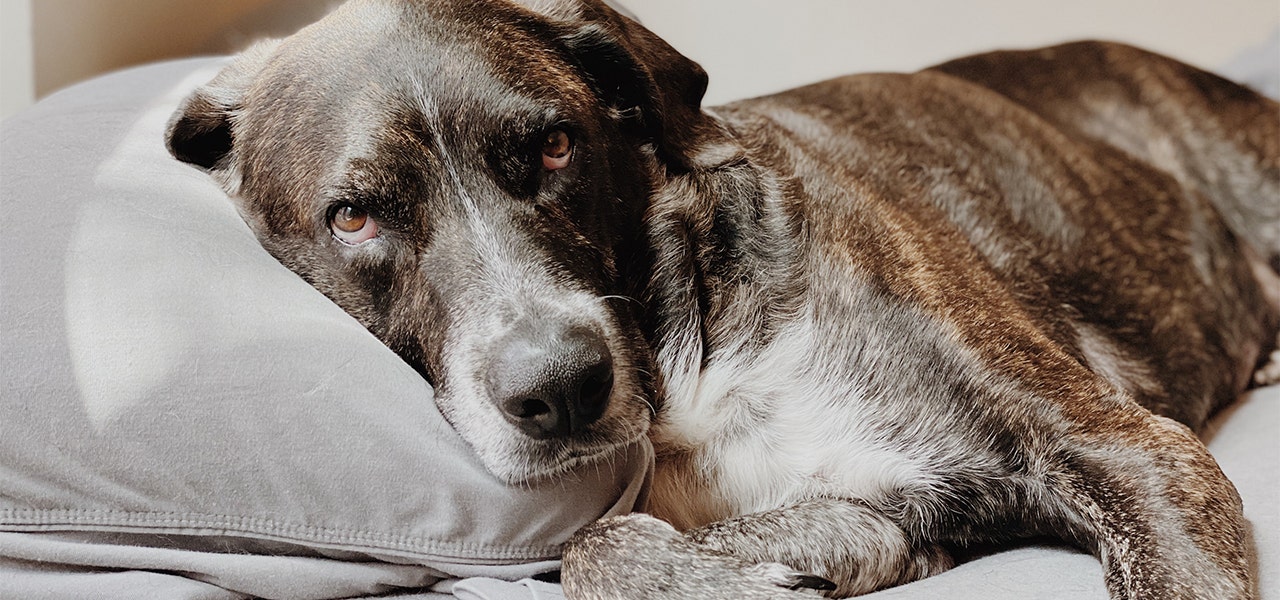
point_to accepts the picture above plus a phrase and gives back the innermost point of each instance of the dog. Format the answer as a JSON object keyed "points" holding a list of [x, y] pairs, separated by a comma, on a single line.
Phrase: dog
{"points": [[867, 324]]}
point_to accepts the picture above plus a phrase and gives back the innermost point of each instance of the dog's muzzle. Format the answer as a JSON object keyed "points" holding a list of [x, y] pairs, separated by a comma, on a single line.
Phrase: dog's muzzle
{"points": [[549, 379]]}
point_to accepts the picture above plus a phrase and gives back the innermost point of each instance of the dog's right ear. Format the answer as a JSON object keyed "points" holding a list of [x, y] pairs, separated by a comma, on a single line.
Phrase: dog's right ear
{"points": [[640, 76], [201, 131]]}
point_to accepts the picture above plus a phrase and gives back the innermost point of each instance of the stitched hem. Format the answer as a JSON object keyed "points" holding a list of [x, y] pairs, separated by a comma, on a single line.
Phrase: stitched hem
{"points": [[404, 545]]}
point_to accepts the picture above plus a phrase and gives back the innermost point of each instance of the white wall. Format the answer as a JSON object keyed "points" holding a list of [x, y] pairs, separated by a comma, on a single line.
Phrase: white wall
{"points": [[752, 47], [749, 46], [17, 80]]}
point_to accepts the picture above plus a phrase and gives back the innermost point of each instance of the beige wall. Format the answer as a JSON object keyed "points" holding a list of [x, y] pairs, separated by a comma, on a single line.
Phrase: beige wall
{"points": [[49, 44], [748, 46], [78, 38]]}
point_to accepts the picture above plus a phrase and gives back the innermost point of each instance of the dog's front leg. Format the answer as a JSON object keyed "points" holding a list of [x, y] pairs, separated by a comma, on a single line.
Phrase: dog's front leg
{"points": [[854, 548]]}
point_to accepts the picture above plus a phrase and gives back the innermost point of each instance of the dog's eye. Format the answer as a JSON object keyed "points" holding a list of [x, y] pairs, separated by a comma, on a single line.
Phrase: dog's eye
{"points": [[352, 225], [557, 149]]}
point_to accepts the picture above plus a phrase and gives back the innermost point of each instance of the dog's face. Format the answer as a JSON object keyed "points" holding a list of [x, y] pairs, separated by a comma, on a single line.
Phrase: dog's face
{"points": [[468, 180]]}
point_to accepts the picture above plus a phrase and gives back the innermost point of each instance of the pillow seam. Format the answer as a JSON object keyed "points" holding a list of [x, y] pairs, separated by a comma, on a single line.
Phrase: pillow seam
{"points": [[19, 519]]}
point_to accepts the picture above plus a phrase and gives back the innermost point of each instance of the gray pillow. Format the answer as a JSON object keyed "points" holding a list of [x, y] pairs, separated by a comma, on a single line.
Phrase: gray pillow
{"points": [[176, 404]]}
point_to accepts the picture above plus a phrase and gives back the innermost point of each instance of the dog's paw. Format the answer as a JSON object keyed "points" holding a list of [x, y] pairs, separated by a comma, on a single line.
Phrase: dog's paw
{"points": [[1269, 374], [640, 557]]}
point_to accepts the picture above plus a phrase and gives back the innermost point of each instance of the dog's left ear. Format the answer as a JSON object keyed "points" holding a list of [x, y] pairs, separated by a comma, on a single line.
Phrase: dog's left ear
{"points": [[201, 131], [646, 80]]}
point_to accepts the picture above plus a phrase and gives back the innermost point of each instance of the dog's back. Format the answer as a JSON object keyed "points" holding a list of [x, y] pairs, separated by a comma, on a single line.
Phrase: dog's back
{"points": [[1220, 139], [1109, 212]]}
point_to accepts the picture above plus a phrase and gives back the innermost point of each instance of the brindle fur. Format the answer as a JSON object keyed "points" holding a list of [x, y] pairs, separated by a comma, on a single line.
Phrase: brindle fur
{"points": [[879, 319]]}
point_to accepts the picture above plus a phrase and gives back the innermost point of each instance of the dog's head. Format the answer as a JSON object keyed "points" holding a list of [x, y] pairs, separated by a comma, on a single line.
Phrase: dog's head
{"points": [[468, 178]]}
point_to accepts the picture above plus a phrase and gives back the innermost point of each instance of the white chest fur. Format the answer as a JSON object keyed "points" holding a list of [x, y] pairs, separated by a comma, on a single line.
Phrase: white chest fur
{"points": [[759, 429]]}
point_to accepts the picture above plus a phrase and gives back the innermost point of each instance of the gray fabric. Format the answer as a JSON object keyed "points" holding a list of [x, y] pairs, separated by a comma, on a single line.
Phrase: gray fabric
{"points": [[175, 400], [491, 589]]}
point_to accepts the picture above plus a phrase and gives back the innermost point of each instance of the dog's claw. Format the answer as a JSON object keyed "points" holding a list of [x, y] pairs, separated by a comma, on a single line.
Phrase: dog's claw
{"points": [[788, 578], [812, 582]]}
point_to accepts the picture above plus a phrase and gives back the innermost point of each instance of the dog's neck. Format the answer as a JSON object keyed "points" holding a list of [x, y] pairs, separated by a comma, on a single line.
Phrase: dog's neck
{"points": [[728, 232]]}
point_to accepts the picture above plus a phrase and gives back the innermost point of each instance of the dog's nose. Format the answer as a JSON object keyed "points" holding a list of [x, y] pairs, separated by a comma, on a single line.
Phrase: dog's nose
{"points": [[551, 381]]}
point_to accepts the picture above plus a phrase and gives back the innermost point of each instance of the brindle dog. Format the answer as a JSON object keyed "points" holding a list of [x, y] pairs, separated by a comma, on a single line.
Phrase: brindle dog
{"points": [[866, 323]]}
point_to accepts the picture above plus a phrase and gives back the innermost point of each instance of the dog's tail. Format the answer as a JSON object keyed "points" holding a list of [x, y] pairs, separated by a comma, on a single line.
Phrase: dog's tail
{"points": [[1218, 138]]}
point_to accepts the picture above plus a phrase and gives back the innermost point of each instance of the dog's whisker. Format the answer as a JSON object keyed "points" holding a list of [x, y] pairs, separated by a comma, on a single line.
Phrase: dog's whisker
{"points": [[621, 297], [653, 410]]}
